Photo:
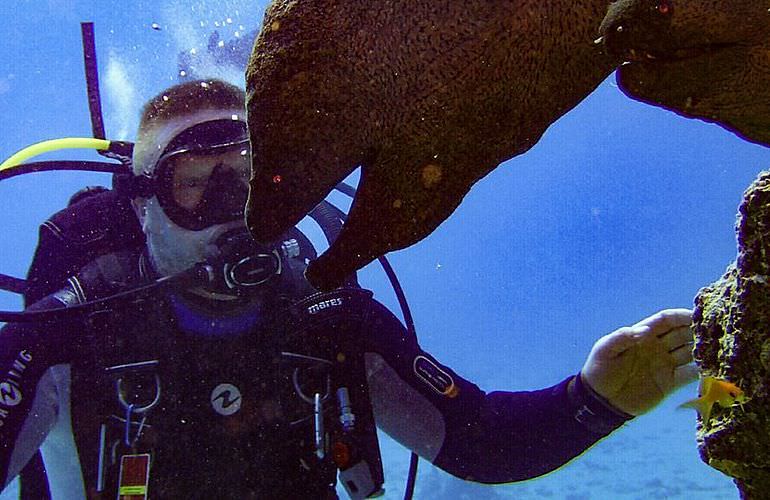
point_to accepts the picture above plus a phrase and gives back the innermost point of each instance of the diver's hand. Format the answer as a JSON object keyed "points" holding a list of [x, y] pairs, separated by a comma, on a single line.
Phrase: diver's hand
{"points": [[635, 367]]}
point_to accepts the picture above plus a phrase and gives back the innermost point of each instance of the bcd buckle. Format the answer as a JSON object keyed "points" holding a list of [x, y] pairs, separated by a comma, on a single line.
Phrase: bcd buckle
{"points": [[350, 439], [122, 448]]}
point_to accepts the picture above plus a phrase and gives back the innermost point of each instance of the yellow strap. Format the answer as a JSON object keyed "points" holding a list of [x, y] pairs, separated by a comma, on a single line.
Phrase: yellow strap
{"points": [[53, 145], [132, 490]]}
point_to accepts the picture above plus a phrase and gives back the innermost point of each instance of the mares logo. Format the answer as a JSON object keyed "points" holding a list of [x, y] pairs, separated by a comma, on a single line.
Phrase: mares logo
{"points": [[10, 387], [324, 304]]}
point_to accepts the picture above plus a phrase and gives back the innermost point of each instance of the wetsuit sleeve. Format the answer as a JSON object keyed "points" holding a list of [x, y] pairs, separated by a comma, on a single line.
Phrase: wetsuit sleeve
{"points": [[30, 362], [492, 437]]}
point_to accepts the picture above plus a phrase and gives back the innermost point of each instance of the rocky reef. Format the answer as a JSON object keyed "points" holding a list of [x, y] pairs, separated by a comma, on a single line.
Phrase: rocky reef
{"points": [[732, 341]]}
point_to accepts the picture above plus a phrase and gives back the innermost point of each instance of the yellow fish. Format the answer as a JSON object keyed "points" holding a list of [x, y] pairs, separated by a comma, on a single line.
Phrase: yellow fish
{"points": [[715, 390]]}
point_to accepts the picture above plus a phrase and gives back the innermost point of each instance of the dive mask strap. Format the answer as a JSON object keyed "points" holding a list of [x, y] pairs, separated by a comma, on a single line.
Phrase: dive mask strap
{"points": [[135, 186]]}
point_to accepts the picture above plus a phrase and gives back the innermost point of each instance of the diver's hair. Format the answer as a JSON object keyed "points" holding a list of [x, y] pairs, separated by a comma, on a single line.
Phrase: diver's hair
{"points": [[192, 96]]}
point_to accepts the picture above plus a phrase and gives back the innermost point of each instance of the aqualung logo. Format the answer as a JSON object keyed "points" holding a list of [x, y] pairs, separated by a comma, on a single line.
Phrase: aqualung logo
{"points": [[324, 304], [10, 387], [226, 399]]}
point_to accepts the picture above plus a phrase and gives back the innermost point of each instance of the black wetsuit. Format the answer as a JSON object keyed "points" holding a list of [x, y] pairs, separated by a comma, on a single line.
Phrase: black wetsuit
{"points": [[266, 446]]}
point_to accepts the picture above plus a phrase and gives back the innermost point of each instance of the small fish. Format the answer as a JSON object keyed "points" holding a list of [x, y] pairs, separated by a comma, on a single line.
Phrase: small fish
{"points": [[715, 390]]}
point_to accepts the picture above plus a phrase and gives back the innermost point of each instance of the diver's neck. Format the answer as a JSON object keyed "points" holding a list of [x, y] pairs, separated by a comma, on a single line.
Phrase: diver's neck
{"points": [[214, 303], [198, 293], [214, 297]]}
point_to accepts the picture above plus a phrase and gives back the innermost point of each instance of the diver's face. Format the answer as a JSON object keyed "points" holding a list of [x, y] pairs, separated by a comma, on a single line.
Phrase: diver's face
{"points": [[201, 188], [193, 172]]}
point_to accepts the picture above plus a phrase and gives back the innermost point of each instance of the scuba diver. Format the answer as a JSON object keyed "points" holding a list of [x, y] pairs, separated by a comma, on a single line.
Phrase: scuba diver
{"points": [[242, 381]]}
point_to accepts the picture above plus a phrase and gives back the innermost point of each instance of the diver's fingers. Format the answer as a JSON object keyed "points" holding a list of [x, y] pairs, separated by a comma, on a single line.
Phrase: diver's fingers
{"points": [[619, 341], [682, 355], [677, 337], [668, 319], [685, 374]]}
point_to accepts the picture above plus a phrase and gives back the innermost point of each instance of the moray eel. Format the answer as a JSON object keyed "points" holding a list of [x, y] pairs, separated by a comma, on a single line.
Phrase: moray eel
{"points": [[427, 97], [706, 59]]}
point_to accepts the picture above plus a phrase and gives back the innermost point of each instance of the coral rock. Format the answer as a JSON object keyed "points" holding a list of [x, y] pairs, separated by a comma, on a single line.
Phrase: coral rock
{"points": [[732, 341]]}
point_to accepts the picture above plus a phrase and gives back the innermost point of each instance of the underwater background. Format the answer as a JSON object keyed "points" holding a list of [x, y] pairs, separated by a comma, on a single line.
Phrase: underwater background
{"points": [[620, 210]]}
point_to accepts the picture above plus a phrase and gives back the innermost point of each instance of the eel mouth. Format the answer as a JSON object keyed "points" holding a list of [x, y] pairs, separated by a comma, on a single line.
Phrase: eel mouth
{"points": [[632, 55]]}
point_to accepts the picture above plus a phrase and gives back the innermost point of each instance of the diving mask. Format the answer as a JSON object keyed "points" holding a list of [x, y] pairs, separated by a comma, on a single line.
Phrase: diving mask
{"points": [[201, 178]]}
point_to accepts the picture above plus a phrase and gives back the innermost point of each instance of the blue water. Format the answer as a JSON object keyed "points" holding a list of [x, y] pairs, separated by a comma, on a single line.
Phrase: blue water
{"points": [[620, 210]]}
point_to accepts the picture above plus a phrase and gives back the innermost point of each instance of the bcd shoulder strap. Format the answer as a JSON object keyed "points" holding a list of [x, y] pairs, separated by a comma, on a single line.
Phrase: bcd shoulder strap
{"points": [[93, 225]]}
